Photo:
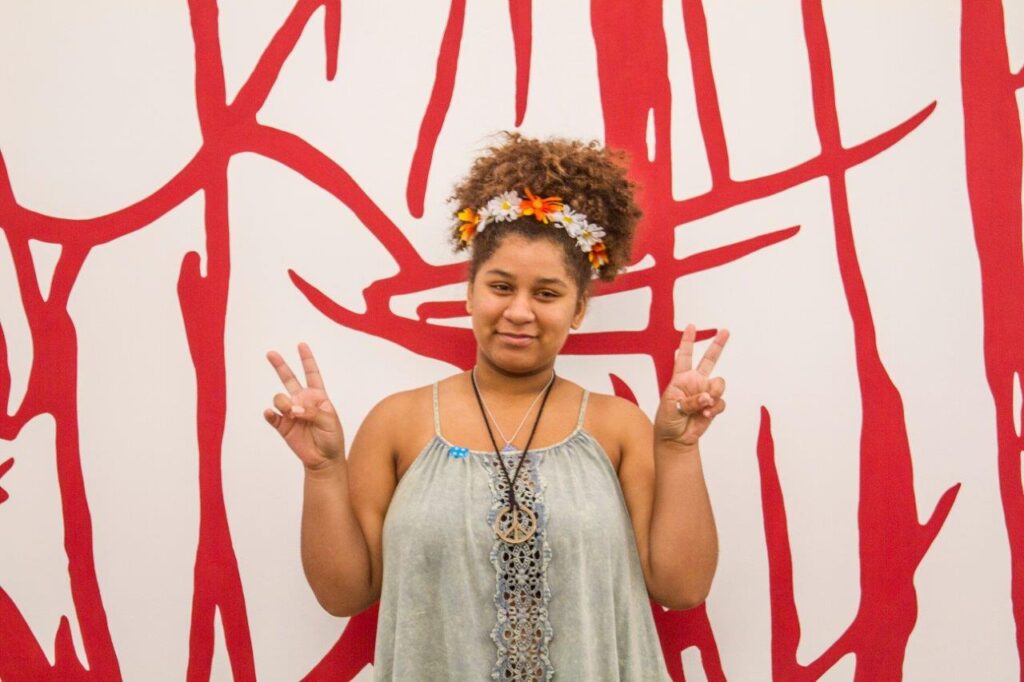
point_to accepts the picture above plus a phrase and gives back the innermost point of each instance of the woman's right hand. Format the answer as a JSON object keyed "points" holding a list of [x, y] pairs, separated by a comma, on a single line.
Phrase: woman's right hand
{"points": [[304, 416]]}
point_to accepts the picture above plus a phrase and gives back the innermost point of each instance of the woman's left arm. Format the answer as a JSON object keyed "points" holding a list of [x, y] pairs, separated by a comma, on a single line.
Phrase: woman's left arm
{"points": [[663, 481]]}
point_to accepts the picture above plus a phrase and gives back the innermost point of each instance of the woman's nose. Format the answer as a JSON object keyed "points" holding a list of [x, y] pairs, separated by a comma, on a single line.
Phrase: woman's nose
{"points": [[519, 310]]}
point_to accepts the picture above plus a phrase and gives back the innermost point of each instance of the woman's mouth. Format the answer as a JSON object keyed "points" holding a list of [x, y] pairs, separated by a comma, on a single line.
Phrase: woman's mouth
{"points": [[516, 339]]}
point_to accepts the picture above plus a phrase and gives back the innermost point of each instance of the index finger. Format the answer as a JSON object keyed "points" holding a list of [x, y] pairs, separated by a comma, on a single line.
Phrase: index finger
{"points": [[684, 356], [711, 355], [284, 372], [313, 376]]}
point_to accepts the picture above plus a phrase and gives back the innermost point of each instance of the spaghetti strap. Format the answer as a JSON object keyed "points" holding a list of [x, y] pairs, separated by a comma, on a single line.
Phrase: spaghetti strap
{"points": [[437, 413], [583, 409]]}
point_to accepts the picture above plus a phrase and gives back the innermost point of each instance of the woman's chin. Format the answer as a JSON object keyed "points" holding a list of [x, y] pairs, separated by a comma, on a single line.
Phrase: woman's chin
{"points": [[515, 360]]}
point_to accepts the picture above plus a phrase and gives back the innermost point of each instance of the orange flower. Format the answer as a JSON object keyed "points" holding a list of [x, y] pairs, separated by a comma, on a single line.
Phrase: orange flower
{"points": [[469, 220], [540, 208], [598, 255]]}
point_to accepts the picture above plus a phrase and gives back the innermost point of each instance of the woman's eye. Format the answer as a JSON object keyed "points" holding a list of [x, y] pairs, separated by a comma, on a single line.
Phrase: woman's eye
{"points": [[500, 286], [548, 294]]}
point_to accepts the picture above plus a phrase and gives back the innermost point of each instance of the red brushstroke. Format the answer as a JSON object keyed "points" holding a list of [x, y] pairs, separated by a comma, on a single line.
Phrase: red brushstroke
{"points": [[633, 78], [785, 625], [52, 384], [5, 466], [629, 92], [708, 113], [203, 300], [892, 541], [52, 388], [437, 108], [992, 146], [520, 13], [351, 653]]}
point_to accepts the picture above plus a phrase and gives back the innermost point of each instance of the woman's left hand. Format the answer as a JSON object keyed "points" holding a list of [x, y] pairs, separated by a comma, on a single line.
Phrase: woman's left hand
{"points": [[693, 398]]}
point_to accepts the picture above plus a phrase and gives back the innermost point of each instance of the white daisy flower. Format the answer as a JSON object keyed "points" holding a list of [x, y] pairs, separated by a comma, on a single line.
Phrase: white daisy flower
{"points": [[570, 220], [504, 207], [588, 236], [485, 217]]}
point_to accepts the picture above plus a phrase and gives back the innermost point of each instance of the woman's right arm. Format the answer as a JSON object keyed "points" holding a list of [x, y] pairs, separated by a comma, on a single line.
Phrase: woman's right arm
{"points": [[344, 502], [343, 510]]}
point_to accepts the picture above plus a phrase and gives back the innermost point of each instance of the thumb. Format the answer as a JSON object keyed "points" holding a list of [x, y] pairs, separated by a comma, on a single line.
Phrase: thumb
{"points": [[692, 404]]}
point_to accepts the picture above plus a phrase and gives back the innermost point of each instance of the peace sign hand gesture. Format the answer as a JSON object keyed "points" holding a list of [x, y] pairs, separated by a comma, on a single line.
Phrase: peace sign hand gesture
{"points": [[305, 417], [693, 398]]}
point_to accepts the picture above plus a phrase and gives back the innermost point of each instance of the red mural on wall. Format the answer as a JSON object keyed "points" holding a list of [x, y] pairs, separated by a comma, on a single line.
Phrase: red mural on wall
{"points": [[992, 145], [632, 62]]}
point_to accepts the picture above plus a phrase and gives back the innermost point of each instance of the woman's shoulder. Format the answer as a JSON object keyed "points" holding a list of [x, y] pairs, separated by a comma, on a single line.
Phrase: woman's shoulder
{"points": [[402, 404], [405, 420], [408, 405], [614, 422], [401, 401], [612, 410]]}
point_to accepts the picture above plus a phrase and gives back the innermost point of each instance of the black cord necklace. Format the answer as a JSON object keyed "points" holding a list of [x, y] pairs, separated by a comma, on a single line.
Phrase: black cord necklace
{"points": [[514, 524]]}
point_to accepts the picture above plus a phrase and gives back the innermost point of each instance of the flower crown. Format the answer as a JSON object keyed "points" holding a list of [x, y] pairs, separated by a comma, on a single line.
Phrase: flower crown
{"points": [[509, 206]]}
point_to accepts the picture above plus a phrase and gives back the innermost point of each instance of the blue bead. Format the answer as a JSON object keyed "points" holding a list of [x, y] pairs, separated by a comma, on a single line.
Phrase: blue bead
{"points": [[458, 452]]}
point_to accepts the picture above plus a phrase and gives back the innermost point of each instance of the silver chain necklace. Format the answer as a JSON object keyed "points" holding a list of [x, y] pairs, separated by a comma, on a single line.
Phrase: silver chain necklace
{"points": [[509, 448]]}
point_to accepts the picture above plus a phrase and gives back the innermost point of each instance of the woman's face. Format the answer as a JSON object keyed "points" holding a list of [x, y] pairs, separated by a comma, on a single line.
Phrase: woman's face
{"points": [[523, 302]]}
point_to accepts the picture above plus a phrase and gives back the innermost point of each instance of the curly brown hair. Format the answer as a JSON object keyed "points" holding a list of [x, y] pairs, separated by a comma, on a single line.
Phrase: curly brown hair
{"points": [[588, 177]]}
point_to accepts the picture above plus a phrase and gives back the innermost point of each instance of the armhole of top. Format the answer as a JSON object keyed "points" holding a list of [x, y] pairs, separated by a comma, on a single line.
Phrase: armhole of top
{"points": [[437, 413], [583, 409]]}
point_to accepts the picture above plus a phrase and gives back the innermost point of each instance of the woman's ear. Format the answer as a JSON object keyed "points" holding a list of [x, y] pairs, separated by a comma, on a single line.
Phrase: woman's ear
{"points": [[469, 298], [581, 310]]}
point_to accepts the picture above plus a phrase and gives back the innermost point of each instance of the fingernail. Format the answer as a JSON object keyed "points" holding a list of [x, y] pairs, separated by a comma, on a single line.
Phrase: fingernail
{"points": [[298, 409], [707, 413]]}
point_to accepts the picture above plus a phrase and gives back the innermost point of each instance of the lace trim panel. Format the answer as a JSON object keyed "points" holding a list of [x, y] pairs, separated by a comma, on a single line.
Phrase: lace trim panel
{"points": [[522, 632]]}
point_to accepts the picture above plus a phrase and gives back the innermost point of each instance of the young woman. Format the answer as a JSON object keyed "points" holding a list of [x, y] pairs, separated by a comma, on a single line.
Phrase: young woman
{"points": [[512, 524]]}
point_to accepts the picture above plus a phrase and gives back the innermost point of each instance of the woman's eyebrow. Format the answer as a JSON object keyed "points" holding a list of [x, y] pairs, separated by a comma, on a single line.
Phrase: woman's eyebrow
{"points": [[542, 281]]}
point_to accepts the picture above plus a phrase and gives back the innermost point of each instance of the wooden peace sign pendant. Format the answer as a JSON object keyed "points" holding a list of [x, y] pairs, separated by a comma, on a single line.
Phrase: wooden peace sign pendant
{"points": [[515, 527]]}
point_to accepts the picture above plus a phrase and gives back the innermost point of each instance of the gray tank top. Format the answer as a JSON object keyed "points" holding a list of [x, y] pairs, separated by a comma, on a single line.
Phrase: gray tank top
{"points": [[458, 603]]}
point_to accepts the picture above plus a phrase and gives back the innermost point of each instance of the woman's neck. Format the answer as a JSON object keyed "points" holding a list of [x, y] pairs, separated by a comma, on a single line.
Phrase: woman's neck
{"points": [[493, 379]]}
